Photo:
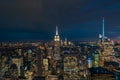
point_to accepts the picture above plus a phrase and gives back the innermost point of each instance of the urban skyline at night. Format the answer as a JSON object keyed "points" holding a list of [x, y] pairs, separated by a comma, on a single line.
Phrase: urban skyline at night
{"points": [[77, 20], [59, 39]]}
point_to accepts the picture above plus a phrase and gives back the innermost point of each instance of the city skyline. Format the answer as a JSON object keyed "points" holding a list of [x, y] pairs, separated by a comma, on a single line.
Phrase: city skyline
{"points": [[77, 20]]}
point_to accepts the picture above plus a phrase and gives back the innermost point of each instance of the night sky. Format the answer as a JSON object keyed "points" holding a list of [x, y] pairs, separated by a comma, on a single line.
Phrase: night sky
{"points": [[24, 20]]}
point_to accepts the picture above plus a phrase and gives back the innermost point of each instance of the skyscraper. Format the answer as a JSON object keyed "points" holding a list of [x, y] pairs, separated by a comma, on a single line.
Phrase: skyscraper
{"points": [[57, 45], [102, 36], [103, 30]]}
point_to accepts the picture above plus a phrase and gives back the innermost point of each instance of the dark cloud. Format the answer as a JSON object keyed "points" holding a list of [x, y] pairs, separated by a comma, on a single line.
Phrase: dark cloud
{"points": [[77, 19]]}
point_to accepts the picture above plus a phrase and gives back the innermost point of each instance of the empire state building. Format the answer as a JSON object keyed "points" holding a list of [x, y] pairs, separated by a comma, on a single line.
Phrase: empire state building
{"points": [[57, 45]]}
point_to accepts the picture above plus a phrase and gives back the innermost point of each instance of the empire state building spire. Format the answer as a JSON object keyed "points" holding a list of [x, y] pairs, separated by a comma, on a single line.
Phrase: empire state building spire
{"points": [[56, 30]]}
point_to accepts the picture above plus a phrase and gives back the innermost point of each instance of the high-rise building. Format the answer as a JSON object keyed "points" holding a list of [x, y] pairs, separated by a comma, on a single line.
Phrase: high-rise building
{"points": [[102, 36], [19, 62], [103, 32], [65, 42], [106, 45], [96, 59], [56, 46]]}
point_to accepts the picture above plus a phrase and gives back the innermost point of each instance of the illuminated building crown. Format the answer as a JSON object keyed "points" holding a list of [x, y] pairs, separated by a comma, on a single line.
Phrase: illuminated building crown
{"points": [[56, 37]]}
